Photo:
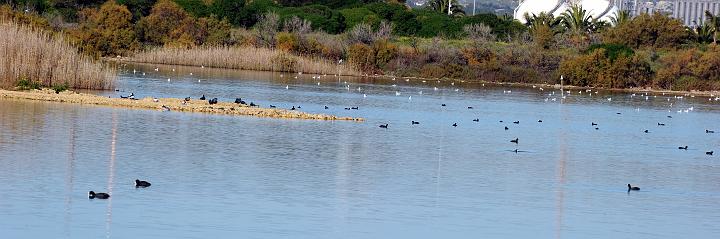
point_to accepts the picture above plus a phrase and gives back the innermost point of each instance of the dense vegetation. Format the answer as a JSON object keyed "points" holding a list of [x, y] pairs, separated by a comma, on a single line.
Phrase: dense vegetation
{"points": [[387, 37]]}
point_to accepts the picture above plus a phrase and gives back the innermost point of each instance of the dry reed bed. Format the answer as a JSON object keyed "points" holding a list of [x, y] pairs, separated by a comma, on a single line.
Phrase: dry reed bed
{"points": [[174, 104], [243, 58], [39, 56]]}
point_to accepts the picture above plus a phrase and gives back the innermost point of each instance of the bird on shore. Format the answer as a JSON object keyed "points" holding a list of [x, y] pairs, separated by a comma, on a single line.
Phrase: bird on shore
{"points": [[238, 100], [631, 188], [293, 108], [516, 140], [253, 104], [141, 184], [213, 101], [272, 106], [93, 195], [187, 98], [165, 108], [384, 126], [709, 153], [202, 97], [131, 96], [683, 147], [414, 122]]}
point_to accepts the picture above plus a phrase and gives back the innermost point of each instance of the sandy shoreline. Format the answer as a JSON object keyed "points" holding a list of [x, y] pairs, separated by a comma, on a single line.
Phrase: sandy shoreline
{"points": [[173, 104]]}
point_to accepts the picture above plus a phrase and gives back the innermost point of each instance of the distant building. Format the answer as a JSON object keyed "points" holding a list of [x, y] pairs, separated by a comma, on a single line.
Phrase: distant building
{"points": [[692, 12], [599, 9]]}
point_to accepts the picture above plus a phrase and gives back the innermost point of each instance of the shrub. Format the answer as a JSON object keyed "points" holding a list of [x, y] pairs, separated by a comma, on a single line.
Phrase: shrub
{"points": [[164, 18], [287, 42], [384, 52], [284, 62], [26, 84], [362, 56]]}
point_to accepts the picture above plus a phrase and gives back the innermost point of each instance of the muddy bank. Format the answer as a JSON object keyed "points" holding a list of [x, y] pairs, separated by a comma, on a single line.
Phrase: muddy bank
{"points": [[171, 104]]}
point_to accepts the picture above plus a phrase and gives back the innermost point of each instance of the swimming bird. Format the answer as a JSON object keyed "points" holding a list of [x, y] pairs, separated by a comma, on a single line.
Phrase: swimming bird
{"points": [[293, 108], [539, 121], [347, 108], [93, 195], [596, 128], [470, 107], [326, 107], [647, 131], [709, 131], [442, 105], [506, 128], [354, 108], [454, 124], [384, 126], [593, 124], [476, 120], [709, 153], [213, 101], [516, 122], [669, 116], [661, 124], [631, 188], [414, 122], [516, 151], [683, 147], [514, 140], [141, 184], [272, 106], [202, 97], [165, 108]]}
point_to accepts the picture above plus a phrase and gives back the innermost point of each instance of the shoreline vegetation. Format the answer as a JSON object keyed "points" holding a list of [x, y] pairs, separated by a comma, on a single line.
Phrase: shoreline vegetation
{"points": [[242, 58], [34, 57], [171, 104], [377, 38]]}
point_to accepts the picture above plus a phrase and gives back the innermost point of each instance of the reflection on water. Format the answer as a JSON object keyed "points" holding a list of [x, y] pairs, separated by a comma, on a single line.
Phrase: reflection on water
{"points": [[222, 176]]}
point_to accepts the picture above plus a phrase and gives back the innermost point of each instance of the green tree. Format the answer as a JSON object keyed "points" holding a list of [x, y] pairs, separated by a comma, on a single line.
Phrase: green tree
{"points": [[441, 6], [107, 31], [655, 31], [164, 18]]}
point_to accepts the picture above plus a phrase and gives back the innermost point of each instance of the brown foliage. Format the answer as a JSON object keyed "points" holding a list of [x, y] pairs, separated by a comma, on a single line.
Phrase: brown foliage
{"points": [[656, 31]]}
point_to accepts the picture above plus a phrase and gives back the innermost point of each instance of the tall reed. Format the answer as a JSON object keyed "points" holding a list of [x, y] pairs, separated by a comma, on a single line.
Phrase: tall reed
{"points": [[244, 58], [35, 55]]}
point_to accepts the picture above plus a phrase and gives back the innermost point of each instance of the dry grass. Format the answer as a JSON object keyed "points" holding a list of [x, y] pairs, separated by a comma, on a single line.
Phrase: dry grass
{"points": [[244, 58], [39, 57]]}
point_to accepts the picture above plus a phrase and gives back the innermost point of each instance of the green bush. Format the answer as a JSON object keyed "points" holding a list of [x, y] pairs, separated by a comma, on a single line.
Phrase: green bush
{"points": [[27, 84], [61, 87]]}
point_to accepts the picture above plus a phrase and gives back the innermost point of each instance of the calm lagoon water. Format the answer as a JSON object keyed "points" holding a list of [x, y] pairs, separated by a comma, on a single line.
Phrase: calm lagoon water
{"points": [[218, 176]]}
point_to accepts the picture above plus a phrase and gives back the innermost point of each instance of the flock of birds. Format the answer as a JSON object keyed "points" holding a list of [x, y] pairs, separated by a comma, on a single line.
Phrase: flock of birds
{"points": [[552, 96], [138, 184]]}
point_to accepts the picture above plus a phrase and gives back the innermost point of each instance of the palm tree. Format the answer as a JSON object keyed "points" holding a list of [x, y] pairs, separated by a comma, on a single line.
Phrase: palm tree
{"points": [[577, 20], [533, 22], [441, 6], [713, 22], [703, 33], [620, 17]]}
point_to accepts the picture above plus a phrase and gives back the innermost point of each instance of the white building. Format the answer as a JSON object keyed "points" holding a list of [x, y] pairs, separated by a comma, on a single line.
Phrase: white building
{"points": [[692, 12], [599, 9]]}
